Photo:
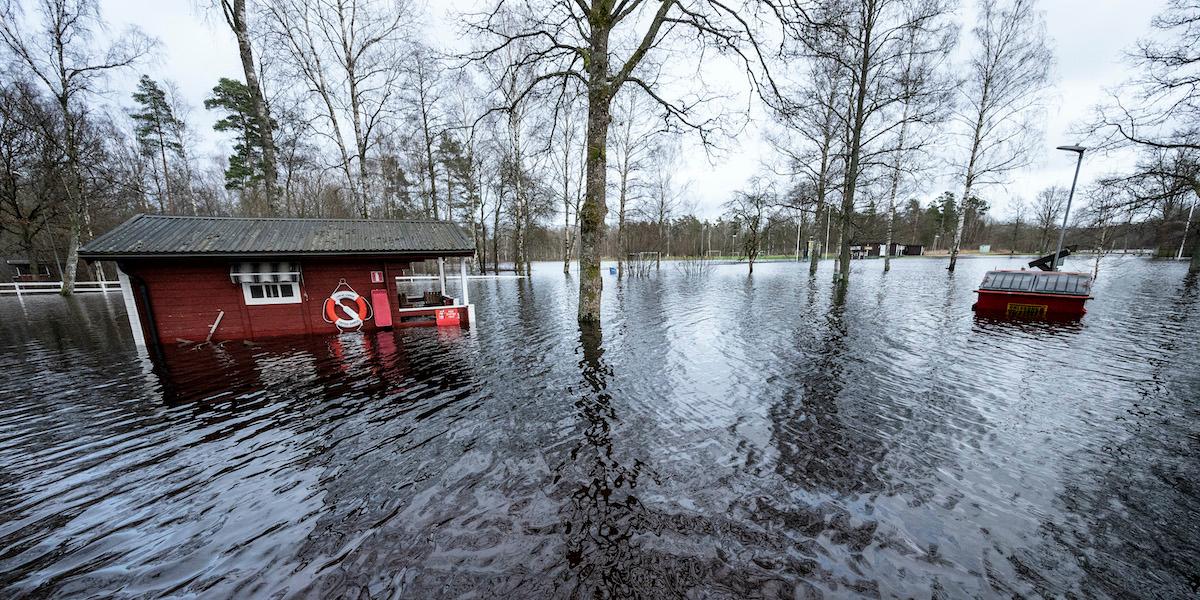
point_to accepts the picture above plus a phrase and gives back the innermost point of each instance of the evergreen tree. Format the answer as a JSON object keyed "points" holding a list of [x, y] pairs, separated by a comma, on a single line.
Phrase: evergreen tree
{"points": [[157, 130], [246, 168]]}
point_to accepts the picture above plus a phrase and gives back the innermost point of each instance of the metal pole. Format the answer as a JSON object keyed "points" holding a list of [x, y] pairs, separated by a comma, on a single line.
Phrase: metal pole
{"points": [[1063, 233]]}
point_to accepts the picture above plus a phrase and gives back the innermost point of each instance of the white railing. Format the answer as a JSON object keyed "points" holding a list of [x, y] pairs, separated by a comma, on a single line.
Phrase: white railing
{"points": [[450, 277], [22, 288]]}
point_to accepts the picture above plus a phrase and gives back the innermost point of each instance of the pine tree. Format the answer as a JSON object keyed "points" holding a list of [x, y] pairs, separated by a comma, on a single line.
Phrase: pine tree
{"points": [[156, 128], [245, 168]]}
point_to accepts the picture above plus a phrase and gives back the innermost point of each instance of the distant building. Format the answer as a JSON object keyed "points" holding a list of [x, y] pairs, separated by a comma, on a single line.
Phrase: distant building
{"points": [[199, 278], [875, 249]]}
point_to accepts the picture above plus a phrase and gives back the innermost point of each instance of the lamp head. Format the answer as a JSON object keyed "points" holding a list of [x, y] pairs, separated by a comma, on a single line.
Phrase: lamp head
{"points": [[1078, 149]]}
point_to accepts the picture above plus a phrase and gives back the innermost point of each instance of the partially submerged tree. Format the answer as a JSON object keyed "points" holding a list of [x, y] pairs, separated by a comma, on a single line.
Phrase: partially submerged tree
{"points": [[813, 131], [1159, 110], [1007, 74], [574, 39], [867, 42], [750, 210]]}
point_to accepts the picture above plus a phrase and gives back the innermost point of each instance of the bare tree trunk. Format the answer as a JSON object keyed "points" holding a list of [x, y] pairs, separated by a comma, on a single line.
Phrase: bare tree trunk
{"points": [[235, 15], [968, 182], [622, 196], [566, 192], [854, 150], [496, 233], [591, 217], [1194, 264]]}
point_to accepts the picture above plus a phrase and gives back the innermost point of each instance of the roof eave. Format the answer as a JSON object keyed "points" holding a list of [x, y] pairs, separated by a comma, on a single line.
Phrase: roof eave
{"points": [[91, 256]]}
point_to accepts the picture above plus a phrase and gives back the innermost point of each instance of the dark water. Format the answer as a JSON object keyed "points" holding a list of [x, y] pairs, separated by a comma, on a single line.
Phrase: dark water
{"points": [[724, 437]]}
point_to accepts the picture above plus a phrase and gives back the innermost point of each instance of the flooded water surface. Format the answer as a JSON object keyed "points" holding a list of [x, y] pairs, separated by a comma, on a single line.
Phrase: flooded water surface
{"points": [[720, 436]]}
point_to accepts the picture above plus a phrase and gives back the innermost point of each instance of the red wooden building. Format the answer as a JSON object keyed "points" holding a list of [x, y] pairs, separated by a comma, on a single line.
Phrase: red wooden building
{"points": [[220, 278]]}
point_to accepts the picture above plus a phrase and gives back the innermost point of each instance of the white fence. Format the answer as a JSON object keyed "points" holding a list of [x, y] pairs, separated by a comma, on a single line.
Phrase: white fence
{"points": [[54, 287]]}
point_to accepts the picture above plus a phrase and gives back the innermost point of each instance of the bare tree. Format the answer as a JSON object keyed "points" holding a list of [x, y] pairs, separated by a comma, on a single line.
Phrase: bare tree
{"points": [[751, 210], [29, 164], [424, 97], [1048, 207], [347, 53], [573, 39], [867, 42], [1159, 110], [814, 131], [664, 194], [566, 144], [924, 97], [1019, 208], [1002, 95], [58, 52], [631, 142]]}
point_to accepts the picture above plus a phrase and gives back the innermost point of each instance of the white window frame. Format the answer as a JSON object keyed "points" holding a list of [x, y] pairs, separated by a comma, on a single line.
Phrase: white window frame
{"points": [[267, 299]]}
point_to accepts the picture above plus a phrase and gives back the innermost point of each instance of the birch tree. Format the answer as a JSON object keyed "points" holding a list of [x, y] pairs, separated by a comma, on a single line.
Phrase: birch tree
{"points": [[424, 99], [566, 145], [348, 55], [813, 130], [1158, 111], [574, 39], [62, 53], [866, 41], [632, 139], [1001, 97]]}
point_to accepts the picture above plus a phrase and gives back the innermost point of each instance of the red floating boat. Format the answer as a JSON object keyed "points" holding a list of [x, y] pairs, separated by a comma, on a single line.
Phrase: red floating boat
{"points": [[1034, 294]]}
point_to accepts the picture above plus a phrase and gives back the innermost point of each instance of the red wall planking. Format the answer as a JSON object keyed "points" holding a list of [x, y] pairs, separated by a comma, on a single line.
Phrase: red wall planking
{"points": [[187, 294]]}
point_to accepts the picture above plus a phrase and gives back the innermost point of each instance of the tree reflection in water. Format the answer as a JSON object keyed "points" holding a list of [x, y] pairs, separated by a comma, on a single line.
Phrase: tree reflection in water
{"points": [[603, 513]]}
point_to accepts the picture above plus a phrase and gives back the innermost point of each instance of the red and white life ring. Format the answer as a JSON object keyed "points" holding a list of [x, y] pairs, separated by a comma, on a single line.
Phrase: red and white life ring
{"points": [[353, 316]]}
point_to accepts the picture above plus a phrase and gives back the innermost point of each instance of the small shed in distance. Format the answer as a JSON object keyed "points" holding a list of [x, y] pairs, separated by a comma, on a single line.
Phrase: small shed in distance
{"points": [[223, 278], [874, 249]]}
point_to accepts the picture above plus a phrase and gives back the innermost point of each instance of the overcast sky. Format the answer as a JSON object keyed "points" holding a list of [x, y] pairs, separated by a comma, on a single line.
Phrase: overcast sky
{"points": [[1089, 38]]}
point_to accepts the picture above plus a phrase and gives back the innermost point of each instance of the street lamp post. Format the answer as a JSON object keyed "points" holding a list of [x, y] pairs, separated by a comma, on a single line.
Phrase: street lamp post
{"points": [[1062, 234]]}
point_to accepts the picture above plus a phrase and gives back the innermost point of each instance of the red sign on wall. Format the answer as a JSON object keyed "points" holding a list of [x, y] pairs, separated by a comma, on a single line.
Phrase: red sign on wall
{"points": [[448, 317], [376, 276]]}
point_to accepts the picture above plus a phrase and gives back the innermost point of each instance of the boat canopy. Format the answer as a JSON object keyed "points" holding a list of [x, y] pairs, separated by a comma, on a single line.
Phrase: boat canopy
{"points": [[1051, 282]]}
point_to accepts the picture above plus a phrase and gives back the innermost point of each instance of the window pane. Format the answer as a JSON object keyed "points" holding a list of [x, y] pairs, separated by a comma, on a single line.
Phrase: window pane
{"points": [[256, 291], [285, 291], [272, 291]]}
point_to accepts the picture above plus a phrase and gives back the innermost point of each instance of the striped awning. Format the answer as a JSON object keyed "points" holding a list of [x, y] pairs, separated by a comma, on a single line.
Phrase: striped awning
{"points": [[264, 272]]}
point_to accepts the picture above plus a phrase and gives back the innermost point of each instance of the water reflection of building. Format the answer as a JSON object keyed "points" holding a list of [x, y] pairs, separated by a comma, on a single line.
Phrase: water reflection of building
{"points": [[379, 417]]}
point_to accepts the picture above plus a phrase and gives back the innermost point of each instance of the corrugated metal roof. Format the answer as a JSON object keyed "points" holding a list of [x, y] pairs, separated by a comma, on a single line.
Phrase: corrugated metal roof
{"points": [[167, 236]]}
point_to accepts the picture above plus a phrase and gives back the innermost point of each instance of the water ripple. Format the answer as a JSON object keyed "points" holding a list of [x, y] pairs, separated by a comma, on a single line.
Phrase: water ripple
{"points": [[721, 437]]}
